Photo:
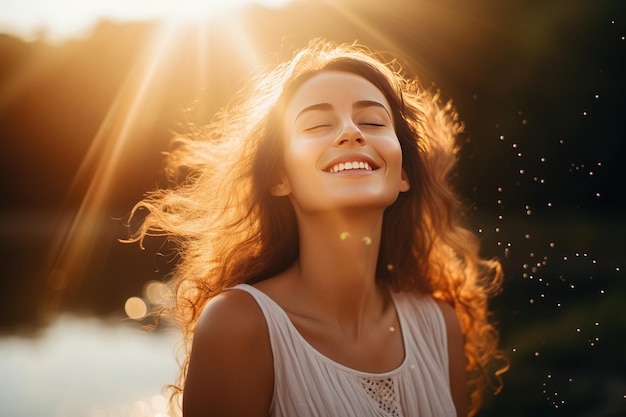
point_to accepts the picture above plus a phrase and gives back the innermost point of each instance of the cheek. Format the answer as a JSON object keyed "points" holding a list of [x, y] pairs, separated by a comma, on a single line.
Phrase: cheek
{"points": [[303, 151], [393, 151], [299, 164]]}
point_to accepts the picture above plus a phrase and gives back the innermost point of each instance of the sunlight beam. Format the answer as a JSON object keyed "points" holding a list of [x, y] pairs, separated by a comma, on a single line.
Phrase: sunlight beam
{"points": [[368, 28], [64, 19], [73, 249]]}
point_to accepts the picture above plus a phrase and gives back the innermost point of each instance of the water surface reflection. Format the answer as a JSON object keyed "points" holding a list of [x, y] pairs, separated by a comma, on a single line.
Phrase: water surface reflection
{"points": [[86, 367]]}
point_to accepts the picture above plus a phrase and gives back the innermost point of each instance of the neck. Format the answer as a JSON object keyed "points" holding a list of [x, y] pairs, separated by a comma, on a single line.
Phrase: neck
{"points": [[337, 265]]}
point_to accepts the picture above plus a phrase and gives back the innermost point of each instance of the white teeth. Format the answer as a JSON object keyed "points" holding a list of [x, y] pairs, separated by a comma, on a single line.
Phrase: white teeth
{"points": [[345, 166]]}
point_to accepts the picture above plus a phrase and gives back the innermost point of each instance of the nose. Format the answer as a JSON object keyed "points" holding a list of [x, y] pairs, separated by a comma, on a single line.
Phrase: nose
{"points": [[350, 134]]}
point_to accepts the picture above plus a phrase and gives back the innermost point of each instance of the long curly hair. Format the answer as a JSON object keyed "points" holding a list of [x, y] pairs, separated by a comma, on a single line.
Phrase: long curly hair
{"points": [[228, 228]]}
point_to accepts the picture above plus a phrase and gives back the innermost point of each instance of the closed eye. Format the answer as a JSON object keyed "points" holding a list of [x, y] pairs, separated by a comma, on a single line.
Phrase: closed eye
{"points": [[372, 124], [312, 128]]}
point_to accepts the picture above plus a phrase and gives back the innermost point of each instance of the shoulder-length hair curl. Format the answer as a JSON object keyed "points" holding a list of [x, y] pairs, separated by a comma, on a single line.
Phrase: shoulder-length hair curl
{"points": [[230, 229]]}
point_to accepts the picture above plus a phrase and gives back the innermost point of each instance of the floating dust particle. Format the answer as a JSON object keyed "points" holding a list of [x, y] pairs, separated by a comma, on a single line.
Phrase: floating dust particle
{"points": [[367, 240], [344, 235]]}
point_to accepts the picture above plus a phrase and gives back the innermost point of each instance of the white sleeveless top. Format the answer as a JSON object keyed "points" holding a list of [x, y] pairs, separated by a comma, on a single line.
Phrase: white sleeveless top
{"points": [[309, 384]]}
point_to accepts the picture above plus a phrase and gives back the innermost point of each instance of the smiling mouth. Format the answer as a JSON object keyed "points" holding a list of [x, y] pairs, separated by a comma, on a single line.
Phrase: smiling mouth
{"points": [[350, 166]]}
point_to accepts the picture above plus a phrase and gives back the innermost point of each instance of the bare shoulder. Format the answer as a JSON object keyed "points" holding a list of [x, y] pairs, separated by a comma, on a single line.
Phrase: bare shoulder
{"points": [[232, 314], [449, 315], [453, 327], [456, 357], [230, 368]]}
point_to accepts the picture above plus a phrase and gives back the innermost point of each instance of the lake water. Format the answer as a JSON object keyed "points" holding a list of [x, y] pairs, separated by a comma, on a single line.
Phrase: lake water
{"points": [[86, 367]]}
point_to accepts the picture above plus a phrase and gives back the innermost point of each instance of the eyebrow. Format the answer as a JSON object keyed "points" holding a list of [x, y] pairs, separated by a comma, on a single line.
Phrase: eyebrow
{"points": [[361, 104], [370, 103]]}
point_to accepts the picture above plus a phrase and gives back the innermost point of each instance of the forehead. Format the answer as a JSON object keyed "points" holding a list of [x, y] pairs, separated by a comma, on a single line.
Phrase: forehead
{"points": [[335, 88]]}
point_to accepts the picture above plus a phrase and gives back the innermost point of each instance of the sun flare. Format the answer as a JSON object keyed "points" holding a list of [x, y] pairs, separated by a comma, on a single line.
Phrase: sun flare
{"points": [[67, 19]]}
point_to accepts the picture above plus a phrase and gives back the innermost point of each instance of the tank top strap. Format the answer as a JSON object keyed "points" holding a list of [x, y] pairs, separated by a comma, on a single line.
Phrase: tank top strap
{"points": [[271, 310], [284, 338]]}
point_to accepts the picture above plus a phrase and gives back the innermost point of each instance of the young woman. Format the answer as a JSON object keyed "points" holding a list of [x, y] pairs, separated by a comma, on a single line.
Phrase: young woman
{"points": [[323, 267]]}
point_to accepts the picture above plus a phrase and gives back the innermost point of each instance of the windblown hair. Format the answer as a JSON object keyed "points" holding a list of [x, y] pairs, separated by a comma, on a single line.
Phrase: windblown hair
{"points": [[228, 228]]}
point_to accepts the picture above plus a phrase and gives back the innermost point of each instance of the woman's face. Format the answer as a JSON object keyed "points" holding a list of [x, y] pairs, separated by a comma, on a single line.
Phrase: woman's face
{"points": [[341, 150]]}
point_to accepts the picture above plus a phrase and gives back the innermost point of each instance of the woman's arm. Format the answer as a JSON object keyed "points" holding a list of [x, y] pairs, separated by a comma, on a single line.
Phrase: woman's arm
{"points": [[456, 359], [231, 368]]}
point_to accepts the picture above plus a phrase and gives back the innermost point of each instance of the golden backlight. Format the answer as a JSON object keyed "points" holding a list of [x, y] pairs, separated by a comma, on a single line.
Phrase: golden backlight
{"points": [[181, 48], [64, 19]]}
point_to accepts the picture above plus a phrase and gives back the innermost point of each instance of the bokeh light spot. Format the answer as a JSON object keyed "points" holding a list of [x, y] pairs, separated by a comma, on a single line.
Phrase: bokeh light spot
{"points": [[135, 308], [155, 292]]}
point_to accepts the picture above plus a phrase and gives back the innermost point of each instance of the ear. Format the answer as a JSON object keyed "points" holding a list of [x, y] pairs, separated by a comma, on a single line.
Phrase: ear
{"points": [[282, 188], [404, 182]]}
